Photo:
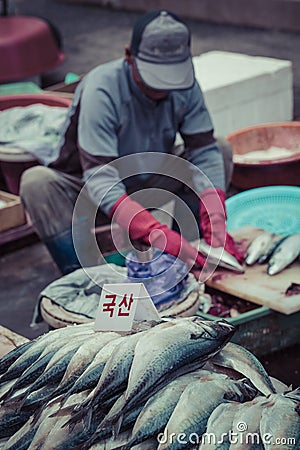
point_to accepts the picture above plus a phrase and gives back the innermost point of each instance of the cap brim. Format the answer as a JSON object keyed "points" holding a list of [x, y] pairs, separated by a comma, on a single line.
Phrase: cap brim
{"points": [[167, 76]]}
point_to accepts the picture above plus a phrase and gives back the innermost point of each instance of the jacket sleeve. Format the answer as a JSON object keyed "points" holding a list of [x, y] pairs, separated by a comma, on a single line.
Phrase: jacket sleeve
{"points": [[98, 148]]}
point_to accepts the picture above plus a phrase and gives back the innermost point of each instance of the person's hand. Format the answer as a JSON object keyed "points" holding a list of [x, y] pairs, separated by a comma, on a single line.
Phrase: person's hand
{"points": [[213, 222], [142, 225]]}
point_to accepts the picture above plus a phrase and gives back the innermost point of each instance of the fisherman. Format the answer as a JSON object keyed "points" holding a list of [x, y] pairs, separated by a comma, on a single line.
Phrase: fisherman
{"points": [[119, 159]]}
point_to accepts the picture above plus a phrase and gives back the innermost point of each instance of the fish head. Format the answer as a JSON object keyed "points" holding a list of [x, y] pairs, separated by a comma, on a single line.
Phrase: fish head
{"points": [[219, 331]]}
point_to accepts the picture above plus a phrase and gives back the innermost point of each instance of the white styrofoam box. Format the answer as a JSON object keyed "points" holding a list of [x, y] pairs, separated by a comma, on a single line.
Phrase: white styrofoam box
{"points": [[242, 90]]}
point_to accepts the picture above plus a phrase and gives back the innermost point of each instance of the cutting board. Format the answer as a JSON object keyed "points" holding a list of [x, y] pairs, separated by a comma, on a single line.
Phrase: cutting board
{"points": [[255, 285]]}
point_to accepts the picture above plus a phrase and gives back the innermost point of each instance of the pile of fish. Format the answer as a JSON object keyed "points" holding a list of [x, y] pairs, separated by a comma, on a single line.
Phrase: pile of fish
{"points": [[276, 250], [164, 385]]}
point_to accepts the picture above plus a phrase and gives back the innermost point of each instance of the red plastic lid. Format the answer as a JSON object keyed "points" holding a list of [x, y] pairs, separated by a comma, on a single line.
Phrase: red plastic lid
{"points": [[27, 48]]}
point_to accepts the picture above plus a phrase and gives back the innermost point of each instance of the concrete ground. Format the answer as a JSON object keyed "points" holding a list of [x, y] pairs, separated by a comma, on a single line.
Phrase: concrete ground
{"points": [[92, 35]]}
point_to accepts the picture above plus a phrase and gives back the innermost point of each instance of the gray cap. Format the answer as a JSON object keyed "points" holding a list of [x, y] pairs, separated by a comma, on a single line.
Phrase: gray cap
{"points": [[163, 57]]}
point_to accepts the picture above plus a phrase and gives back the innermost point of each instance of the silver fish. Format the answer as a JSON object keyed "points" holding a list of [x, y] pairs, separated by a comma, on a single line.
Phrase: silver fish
{"points": [[158, 409], [248, 415], [171, 346], [219, 256], [218, 427], [275, 241], [25, 435], [240, 359], [48, 422], [58, 363], [82, 358], [89, 378], [285, 254], [258, 247], [280, 421], [197, 402], [41, 344], [7, 360], [115, 372]]}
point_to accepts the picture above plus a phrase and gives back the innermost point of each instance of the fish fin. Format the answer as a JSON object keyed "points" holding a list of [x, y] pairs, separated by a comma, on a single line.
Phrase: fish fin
{"points": [[123, 447], [24, 398], [196, 336], [12, 400], [268, 404], [71, 423], [36, 416], [4, 397], [81, 406], [116, 427], [63, 411]]}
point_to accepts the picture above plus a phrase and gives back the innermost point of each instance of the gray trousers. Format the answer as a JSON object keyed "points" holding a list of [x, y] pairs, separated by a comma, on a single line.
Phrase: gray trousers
{"points": [[49, 197]]}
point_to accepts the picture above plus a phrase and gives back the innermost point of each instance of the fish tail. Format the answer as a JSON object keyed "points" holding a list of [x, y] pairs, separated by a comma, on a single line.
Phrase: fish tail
{"points": [[37, 416], [4, 397], [71, 423], [81, 406], [23, 399], [87, 419], [63, 412]]}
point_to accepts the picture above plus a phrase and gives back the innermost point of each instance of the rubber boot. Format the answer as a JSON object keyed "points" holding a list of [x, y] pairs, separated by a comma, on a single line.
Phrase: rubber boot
{"points": [[61, 248]]}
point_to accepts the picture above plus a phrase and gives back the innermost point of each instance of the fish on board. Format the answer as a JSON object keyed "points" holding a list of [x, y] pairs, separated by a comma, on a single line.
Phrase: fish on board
{"points": [[271, 247], [285, 254], [219, 256], [258, 247]]}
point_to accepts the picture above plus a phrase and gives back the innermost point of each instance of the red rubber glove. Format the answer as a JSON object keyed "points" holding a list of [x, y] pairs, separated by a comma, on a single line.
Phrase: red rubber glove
{"points": [[142, 225], [213, 222]]}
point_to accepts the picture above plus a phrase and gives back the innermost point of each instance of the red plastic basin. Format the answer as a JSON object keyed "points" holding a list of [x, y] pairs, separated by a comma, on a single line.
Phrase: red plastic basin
{"points": [[282, 171]]}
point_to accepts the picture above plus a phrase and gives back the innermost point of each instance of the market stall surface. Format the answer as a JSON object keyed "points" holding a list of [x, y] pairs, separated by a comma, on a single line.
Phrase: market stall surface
{"points": [[92, 35]]}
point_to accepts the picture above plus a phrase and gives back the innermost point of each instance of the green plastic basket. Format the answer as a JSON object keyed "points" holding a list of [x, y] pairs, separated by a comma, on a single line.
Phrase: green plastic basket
{"points": [[273, 208]]}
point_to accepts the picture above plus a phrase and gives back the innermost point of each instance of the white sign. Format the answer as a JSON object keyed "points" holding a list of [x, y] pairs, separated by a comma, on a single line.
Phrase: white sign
{"points": [[122, 303]]}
